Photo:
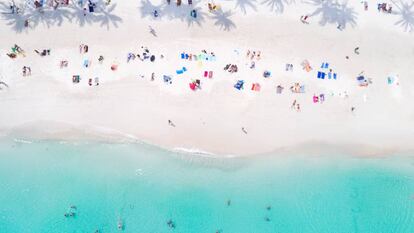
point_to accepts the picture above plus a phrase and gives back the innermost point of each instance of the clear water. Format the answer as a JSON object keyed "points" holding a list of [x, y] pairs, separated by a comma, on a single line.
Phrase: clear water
{"points": [[146, 186]]}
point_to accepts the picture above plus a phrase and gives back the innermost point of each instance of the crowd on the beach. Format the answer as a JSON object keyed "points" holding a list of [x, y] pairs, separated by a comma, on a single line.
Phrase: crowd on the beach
{"points": [[252, 58]]}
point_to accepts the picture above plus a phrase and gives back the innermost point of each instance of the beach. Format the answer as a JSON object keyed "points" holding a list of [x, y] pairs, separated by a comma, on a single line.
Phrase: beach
{"points": [[217, 118]]}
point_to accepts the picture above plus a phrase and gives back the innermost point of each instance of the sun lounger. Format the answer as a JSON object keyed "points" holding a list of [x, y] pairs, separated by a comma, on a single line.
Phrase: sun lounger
{"points": [[184, 69], [330, 75], [323, 75], [205, 74], [182, 56], [319, 74], [210, 74], [334, 76], [186, 56]]}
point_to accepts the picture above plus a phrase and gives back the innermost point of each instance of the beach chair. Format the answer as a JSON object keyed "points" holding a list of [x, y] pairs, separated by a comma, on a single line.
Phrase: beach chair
{"points": [[186, 56], [330, 75], [205, 74], [319, 74], [323, 75], [182, 56], [334, 76], [210, 74]]}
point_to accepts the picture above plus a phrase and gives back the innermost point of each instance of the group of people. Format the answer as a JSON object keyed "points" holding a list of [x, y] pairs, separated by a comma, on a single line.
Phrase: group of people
{"points": [[384, 7]]}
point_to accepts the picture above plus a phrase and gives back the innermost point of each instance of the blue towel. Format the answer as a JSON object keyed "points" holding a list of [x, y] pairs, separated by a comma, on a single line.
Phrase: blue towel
{"points": [[184, 69], [179, 71], [182, 56]]}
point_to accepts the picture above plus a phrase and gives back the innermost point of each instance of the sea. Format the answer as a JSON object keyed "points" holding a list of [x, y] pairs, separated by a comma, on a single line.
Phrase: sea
{"points": [[74, 187]]}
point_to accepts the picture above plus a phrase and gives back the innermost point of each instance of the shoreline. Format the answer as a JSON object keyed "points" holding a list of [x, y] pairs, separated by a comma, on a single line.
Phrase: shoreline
{"points": [[73, 134]]}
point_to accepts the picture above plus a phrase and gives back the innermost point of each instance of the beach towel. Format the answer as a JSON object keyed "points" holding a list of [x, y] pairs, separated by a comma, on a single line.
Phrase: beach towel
{"points": [[255, 87], [179, 71], [184, 69], [193, 86], [239, 85], [319, 74], [315, 99], [86, 63]]}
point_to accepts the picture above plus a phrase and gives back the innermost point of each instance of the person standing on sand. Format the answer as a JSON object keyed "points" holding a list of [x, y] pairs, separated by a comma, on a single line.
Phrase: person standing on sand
{"points": [[171, 123]]}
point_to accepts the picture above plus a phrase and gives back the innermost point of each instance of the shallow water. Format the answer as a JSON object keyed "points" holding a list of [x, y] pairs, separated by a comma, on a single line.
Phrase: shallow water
{"points": [[146, 186]]}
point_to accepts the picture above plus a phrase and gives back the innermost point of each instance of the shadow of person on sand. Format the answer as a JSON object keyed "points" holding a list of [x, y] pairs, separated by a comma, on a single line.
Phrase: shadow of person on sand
{"points": [[277, 6], [334, 13], [406, 13], [50, 16], [222, 19]]}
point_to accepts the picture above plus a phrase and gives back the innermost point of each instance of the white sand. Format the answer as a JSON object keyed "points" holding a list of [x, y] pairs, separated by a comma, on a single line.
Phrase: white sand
{"points": [[47, 105]]}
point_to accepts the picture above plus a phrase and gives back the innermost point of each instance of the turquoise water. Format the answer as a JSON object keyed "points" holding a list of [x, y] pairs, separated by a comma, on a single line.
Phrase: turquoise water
{"points": [[146, 186]]}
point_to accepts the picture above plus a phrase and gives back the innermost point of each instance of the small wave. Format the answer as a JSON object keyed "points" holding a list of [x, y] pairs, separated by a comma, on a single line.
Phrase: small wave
{"points": [[22, 141], [202, 153]]}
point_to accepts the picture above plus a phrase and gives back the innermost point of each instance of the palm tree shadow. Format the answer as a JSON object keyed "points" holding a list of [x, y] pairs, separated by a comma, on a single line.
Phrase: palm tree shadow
{"points": [[223, 20], [201, 17], [48, 16], [106, 17], [334, 13], [406, 13], [15, 21], [244, 5], [147, 9], [277, 5]]}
